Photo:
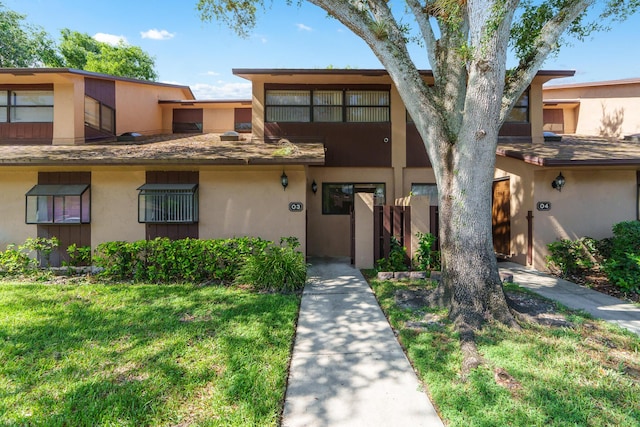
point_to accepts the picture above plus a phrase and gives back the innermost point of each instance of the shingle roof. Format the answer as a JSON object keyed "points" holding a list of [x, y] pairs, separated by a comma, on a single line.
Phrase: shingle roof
{"points": [[205, 149], [574, 150]]}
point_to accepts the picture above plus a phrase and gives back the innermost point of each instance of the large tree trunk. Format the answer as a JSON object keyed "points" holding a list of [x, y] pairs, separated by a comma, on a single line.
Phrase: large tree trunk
{"points": [[471, 287]]}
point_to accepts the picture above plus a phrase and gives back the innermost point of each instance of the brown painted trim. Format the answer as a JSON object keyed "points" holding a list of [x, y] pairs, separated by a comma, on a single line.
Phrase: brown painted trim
{"points": [[44, 86], [293, 86], [360, 72], [540, 161], [34, 71], [205, 101]]}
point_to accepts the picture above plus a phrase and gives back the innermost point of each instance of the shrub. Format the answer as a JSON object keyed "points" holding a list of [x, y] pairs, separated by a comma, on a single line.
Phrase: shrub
{"points": [[623, 264], [14, 262], [78, 255], [187, 260], [426, 257], [570, 256], [17, 260], [396, 261], [275, 268]]}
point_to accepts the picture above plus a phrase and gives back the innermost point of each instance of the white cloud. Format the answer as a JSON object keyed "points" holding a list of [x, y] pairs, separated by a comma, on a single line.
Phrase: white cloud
{"points": [[211, 73], [222, 90], [154, 34], [110, 39], [303, 27]]}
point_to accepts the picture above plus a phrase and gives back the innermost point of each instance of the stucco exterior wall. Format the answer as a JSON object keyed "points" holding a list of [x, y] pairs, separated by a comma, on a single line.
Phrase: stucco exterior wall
{"points": [[603, 108], [251, 202], [217, 120], [590, 203], [68, 112], [114, 205], [14, 184], [137, 108], [329, 235]]}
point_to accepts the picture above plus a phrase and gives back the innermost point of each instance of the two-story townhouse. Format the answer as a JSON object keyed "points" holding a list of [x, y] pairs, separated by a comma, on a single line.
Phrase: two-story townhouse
{"points": [[89, 158], [372, 146]]}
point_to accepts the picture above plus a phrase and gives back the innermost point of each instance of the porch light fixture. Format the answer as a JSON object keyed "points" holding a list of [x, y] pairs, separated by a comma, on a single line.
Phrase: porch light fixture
{"points": [[284, 180], [314, 187], [559, 182]]}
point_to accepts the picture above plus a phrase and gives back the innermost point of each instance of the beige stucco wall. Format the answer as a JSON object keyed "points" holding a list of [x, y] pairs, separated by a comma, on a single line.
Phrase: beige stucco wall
{"points": [[68, 112], [251, 202], [600, 107], [114, 205], [590, 203], [14, 184], [137, 108], [218, 120], [363, 209], [329, 235]]}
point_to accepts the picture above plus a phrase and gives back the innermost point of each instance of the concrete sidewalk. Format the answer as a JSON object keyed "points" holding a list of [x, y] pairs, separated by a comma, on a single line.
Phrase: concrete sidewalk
{"points": [[347, 367], [599, 305]]}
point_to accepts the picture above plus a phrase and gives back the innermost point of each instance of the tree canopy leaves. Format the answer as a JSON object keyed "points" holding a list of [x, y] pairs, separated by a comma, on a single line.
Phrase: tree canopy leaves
{"points": [[23, 45]]}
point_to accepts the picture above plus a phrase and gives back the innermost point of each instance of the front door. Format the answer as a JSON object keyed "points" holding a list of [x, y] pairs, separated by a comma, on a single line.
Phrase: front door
{"points": [[500, 218]]}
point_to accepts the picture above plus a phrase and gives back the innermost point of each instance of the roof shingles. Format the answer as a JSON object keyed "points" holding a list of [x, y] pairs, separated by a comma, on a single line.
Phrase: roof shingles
{"points": [[165, 149]]}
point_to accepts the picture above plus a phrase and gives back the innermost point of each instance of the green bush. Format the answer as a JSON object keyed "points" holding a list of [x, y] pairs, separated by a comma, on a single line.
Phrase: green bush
{"points": [[17, 260], [623, 264], [275, 268], [397, 259], [187, 260], [78, 255], [571, 256], [426, 257]]}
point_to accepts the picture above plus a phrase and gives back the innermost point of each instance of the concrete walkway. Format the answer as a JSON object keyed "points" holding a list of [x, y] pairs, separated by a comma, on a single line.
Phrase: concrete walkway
{"points": [[347, 368], [599, 305]]}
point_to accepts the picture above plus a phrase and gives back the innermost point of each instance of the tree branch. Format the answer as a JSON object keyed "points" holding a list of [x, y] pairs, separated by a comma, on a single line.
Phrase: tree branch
{"points": [[546, 42], [422, 19]]}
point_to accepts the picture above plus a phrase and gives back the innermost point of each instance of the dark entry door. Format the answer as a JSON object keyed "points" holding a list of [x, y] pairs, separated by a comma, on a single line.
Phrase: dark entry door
{"points": [[501, 220]]}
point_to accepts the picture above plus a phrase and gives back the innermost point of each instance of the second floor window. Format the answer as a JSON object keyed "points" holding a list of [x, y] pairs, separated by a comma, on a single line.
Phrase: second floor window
{"points": [[520, 111], [99, 116], [327, 105], [26, 106]]}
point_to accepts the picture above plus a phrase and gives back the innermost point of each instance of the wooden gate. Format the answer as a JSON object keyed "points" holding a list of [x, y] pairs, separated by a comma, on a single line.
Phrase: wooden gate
{"points": [[391, 221], [501, 220]]}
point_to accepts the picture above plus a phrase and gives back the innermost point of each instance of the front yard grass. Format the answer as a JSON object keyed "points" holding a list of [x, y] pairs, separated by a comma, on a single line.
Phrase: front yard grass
{"points": [[584, 372], [132, 355]]}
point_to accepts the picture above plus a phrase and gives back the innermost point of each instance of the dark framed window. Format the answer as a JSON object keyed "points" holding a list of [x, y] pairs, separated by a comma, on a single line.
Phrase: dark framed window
{"points": [[288, 106], [367, 106], [327, 105], [520, 111], [26, 106], [337, 198], [168, 203], [58, 204], [99, 116]]}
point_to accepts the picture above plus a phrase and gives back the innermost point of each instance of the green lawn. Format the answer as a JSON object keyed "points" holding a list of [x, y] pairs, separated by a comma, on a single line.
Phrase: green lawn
{"points": [[95, 354], [584, 374]]}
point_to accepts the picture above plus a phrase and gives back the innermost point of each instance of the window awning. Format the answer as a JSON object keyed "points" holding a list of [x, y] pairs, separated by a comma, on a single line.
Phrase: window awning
{"points": [[168, 187], [57, 190]]}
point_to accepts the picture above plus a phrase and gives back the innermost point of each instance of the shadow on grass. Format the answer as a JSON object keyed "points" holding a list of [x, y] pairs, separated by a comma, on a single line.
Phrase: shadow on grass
{"points": [[141, 355]]}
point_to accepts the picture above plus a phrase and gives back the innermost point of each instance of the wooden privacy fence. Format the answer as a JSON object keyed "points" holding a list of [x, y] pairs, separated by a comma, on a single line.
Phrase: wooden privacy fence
{"points": [[391, 221]]}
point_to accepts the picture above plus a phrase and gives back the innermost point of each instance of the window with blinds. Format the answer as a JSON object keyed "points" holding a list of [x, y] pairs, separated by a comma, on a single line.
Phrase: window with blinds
{"points": [[356, 106], [168, 203], [367, 106], [288, 106]]}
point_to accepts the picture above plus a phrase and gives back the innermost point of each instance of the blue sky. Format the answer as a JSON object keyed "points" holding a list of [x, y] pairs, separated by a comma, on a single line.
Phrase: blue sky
{"points": [[201, 55]]}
